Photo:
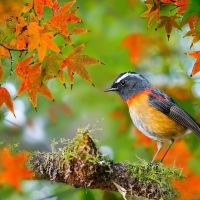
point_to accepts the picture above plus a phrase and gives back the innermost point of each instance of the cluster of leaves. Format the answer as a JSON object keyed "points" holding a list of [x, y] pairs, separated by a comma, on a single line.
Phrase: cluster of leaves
{"points": [[186, 12], [13, 169], [24, 29]]}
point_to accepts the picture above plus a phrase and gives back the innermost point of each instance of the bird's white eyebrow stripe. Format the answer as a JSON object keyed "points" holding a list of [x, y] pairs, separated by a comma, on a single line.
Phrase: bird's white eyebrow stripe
{"points": [[125, 75], [122, 77]]}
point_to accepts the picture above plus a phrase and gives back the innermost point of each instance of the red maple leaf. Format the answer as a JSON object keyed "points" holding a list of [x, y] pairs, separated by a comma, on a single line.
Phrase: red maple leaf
{"points": [[31, 81], [6, 98], [13, 168], [196, 67], [62, 17]]}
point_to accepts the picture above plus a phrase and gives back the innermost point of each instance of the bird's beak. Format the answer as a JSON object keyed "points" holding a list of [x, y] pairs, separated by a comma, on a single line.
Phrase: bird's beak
{"points": [[111, 89]]}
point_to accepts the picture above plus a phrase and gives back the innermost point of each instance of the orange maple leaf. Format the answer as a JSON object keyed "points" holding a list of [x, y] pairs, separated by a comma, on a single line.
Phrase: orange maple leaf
{"points": [[35, 36], [142, 139], [62, 17], [6, 98], [1, 75], [152, 14], [39, 6], [137, 44], [195, 34], [122, 116], [4, 52], [179, 154], [31, 81], [191, 21], [182, 5], [10, 8], [13, 168], [75, 63], [51, 65], [196, 67], [57, 108], [168, 23], [189, 187]]}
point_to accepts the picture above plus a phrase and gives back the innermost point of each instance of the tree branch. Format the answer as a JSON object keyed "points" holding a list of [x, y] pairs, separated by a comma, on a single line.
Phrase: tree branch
{"points": [[80, 164]]}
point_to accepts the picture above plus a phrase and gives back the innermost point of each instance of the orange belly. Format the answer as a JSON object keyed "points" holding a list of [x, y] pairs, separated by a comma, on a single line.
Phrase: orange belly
{"points": [[152, 122]]}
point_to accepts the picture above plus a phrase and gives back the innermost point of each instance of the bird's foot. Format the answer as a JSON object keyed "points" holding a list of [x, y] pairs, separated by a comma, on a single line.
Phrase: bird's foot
{"points": [[151, 164]]}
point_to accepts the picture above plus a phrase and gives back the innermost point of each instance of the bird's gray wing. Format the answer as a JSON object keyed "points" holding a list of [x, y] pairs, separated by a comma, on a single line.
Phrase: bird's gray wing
{"points": [[172, 110]]}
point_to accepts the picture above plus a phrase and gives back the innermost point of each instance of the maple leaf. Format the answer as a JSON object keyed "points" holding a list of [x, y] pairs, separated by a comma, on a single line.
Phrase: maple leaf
{"points": [[4, 52], [78, 30], [57, 108], [6, 98], [142, 139], [195, 34], [1, 75], [185, 191], [35, 36], [75, 63], [137, 44], [196, 67], [62, 17], [121, 114], [182, 5], [13, 168], [10, 8], [191, 21], [39, 6], [181, 158], [31, 81], [168, 23], [153, 15], [51, 65]]}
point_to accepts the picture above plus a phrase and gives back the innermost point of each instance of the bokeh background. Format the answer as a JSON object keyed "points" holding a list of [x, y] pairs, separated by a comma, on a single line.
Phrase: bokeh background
{"points": [[119, 38]]}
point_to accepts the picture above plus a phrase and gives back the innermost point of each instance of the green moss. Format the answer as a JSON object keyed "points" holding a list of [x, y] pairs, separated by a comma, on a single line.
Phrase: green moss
{"points": [[162, 175], [79, 146]]}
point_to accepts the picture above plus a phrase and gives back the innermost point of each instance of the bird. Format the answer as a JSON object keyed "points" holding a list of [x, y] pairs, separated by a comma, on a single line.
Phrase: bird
{"points": [[153, 112]]}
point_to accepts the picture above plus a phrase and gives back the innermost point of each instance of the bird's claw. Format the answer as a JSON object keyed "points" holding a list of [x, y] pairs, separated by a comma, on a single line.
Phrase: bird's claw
{"points": [[151, 164]]}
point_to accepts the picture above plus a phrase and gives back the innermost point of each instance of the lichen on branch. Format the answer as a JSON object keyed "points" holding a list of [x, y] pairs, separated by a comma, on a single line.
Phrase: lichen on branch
{"points": [[79, 163]]}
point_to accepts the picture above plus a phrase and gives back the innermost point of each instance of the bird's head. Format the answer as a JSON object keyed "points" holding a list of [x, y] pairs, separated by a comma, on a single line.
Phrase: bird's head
{"points": [[129, 84]]}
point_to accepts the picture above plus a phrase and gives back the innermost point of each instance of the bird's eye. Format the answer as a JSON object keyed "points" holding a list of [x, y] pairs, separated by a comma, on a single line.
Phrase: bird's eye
{"points": [[123, 83]]}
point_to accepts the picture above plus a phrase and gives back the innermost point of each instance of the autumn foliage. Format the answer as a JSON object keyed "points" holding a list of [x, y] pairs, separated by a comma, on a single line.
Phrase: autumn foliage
{"points": [[24, 29], [170, 14], [13, 168]]}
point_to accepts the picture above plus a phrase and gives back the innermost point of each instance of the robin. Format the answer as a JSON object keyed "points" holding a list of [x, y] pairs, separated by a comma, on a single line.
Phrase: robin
{"points": [[154, 113]]}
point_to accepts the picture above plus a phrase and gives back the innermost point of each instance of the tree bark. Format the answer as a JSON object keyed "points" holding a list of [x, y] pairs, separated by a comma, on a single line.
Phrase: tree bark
{"points": [[80, 164]]}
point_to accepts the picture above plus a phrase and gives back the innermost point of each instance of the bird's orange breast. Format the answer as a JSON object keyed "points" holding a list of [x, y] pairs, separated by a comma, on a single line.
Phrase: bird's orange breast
{"points": [[151, 121]]}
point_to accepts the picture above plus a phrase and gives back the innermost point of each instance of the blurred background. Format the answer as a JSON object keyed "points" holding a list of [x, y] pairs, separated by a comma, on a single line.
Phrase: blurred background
{"points": [[119, 38]]}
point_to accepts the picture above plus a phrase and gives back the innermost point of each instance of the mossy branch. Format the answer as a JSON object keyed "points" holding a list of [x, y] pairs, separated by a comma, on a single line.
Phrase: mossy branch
{"points": [[80, 164]]}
